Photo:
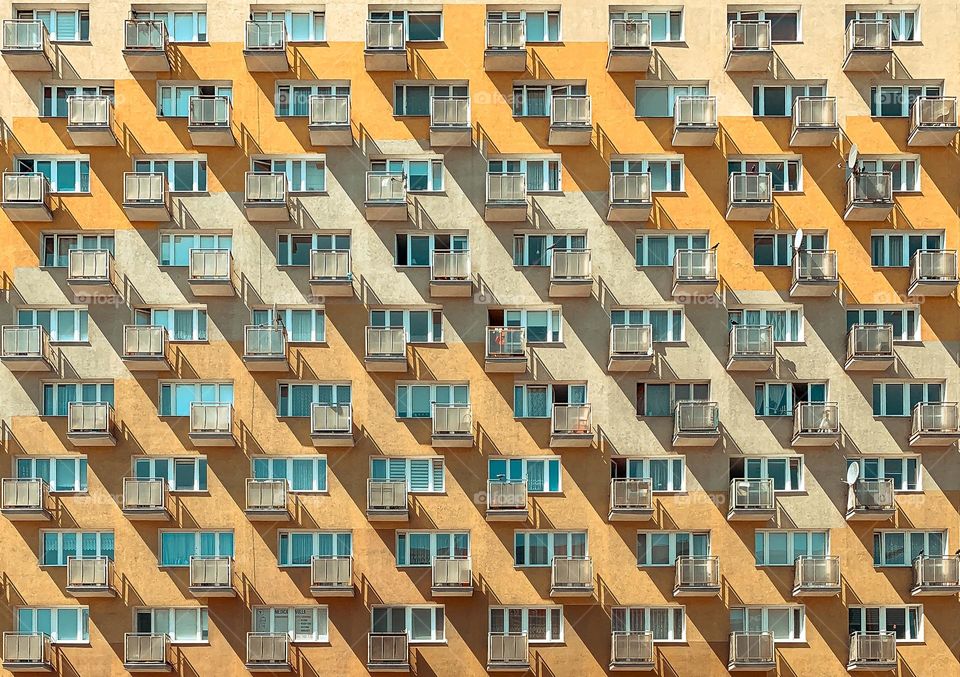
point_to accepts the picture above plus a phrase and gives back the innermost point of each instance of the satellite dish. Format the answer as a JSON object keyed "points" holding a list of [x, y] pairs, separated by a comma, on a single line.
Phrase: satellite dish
{"points": [[853, 473], [798, 239], [853, 157]]}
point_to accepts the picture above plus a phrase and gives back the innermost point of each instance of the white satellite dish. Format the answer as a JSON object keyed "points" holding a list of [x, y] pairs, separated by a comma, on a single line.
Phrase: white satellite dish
{"points": [[853, 473], [798, 239], [853, 157]]}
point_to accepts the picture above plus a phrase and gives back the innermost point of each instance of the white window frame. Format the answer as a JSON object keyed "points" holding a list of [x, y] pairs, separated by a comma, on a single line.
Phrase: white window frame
{"points": [[902, 487], [174, 90], [435, 171], [335, 390], [81, 322], [33, 14], [459, 88], [555, 538], [432, 535], [761, 15], [879, 540], [927, 237], [551, 613], [55, 391], [169, 240], [434, 386], [642, 165], [432, 314], [201, 321], [523, 407], [286, 246], [673, 240], [671, 546], [199, 168], [286, 16], [197, 385], [28, 163], [69, 90], [768, 411], [81, 481], [321, 468], [790, 94], [200, 32], [763, 163], [883, 11], [79, 240], [554, 322], [792, 554], [796, 614], [318, 321], [287, 90], [788, 309], [644, 471], [407, 474], [673, 313], [520, 96], [878, 164], [522, 14], [438, 618], [551, 167], [644, 14], [907, 409], [315, 545], [171, 476], [688, 387], [319, 620], [646, 622], [905, 97], [524, 462], [563, 241], [83, 622], [197, 533], [699, 88], [882, 618], [202, 623], [908, 315], [288, 166], [459, 242], [765, 473], [78, 536]]}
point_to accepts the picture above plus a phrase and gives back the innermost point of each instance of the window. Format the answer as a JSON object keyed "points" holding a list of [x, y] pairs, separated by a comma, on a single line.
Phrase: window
{"points": [[303, 325], [413, 100], [665, 473], [666, 175], [901, 548], [66, 474], [784, 24], [782, 548], [297, 399], [302, 473], [64, 325], [183, 176], [905, 622], [903, 470], [896, 101], [175, 248], [177, 547], [304, 624], [905, 172], [666, 325], [531, 100], [302, 26], [661, 548], [54, 98], [419, 326], [419, 548], [784, 623], [419, 26], [65, 175], [660, 399], [297, 548], [176, 397], [897, 249], [542, 325], [540, 25], [293, 99], [64, 625], [57, 247], [542, 475], [665, 25], [58, 396], [787, 324], [63, 25], [303, 175], [422, 475], [659, 250], [778, 399], [656, 101], [57, 546], [184, 26], [777, 249], [412, 249], [294, 249], [181, 473], [536, 400], [904, 23], [183, 625], [183, 324], [173, 101], [416, 400], [537, 250], [785, 175], [538, 548], [905, 321], [785, 471], [540, 624], [543, 176], [892, 398], [778, 100], [418, 175], [667, 623], [420, 623]]}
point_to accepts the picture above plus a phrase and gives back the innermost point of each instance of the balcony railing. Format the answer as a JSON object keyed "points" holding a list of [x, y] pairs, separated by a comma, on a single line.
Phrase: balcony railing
{"points": [[28, 494], [631, 340], [90, 265], [24, 35], [146, 35], [864, 35], [331, 419], [25, 188], [870, 340], [387, 649], [268, 648], [630, 188], [209, 112], [570, 111], [815, 266], [452, 572], [89, 111], [450, 111], [930, 573], [572, 574], [452, 420], [210, 265], [31, 341], [211, 418], [631, 648], [144, 494], [331, 110], [748, 188], [144, 341], [270, 36], [695, 265], [751, 648], [266, 495], [331, 572], [385, 35], [506, 35], [933, 266], [507, 648], [85, 418], [141, 649], [631, 494], [752, 495], [330, 264], [933, 112], [144, 188], [750, 342], [871, 496], [89, 573], [570, 264], [816, 573], [268, 188], [693, 417], [695, 111], [506, 342], [938, 418], [27, 649], [506, 495], [211, 573], [386, 187], [572, 419], [386, 342], [816, 418], [627, 34], [386, 495], [749, 36], [450, 265], [870, 188], [814, 112], [697, 573], [264, 341], [509, 188], [873, 649]]}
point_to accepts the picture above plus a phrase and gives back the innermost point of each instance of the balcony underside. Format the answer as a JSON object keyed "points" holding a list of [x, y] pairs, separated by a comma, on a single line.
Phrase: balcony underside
{"points": [[571, 439], [332, 590], [100, 135], [222, 287], [690, 288], [331, 135], [213, 439], [36, 514], [31, 212], [872, 666], [385, 211], [212, 591], [266, 60], [32, 363], [804, 137], [623, 363], [515, 666], [451, 289], [507, 515], [150, 363], [148, 213], [153, 514], [750, 362], [212, 135], [505, 60], [571, 591], [633, 666], [333, 288], [815, 438], [266, 211], [92, 439], [268, 514], [452, 591], [393, 363], [944, 590], [932, 288], [27, 666], [627, 212], [932, 136], [749, 211], [865, 363], [695, 135], [268, 363], [868, 211], [91, 591], [623, 60], [505, 365], [933, 438], [571, 289], [870, 515], [813, 288], [696, 591], [97, 289], [867, 61], [749, 60], [630, 514], [505, 212], [160, 666], [269, 667], [452, 440], [27, 60], [332, 439], [756, 666], [451, 137], [389, 60], [691, 439], [570, 135], [816, 591], [751, 514], [146, 60], [387, 515]]}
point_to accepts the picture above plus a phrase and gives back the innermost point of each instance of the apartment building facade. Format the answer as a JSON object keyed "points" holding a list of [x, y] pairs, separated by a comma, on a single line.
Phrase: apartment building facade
{"points": [[555, 338]]}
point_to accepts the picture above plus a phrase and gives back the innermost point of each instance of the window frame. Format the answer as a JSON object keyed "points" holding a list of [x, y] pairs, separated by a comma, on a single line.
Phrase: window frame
{"points": [[691, 88], [554, 324], [673, 166], [102, 549], [763, 471], [320, 621], [691, 388], [895, 165], [552, 613], [287, 15], [885, 237], [790, 94], [550, 167], [318, 322], [198, 534], [909, 316], [200, 472], [287, 93], [51, 93], [672, 549], [81, 481], [796, 615], [762, 547], [101, 241], [81, 21], [320, 471], [675, 317], [641, 245], [554, 539], [54, 387], [315, 386], [877, 14], [791, 164], [434, 320], [407, 473], [438, 620], [287, 246], [402, 550], [198, 386], [512, 463], [647, 624], [881, 386], [435, 170], [81, 323], [285, 552], [794, 318], [882, 609], [901, 487], [644, 14], [290, 167], [202, 622], [168, 17], [222, 241], [761, 15], [200, 321], [521, 408], [880, 549], [83, 622], [149, 165], [81, 171], [645, 472], [434, 386]]}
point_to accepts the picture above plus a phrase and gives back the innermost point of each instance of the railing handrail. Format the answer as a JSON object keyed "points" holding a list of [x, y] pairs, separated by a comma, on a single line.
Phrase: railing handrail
{"points": [[933, 111], [154, 184], [629, 34], [749, 35], [134, 647], [571, 110], [25, 35], [320, 258], [936, 570], [450, 111], [200, 415], [24, 493], [698, 570], [870, 340], [385, 342], [752, 493], [631, 339], [275, 32], [695, 265], [936, 417], [29, 340], [506, 342], [817, 571], [451, 419], [386, 494], [869, 34], [89, 110], [145, 34], [90, 417], [506, 34], [695, 111], [209, 110], [504, 494], [210, 264], [506, 187], [933, 265], [631, 493], [751, 340], [264, 340], [705, 419], [873, 647], [571, 264], [572, 419], [630, 187], [805, 107], [265, 187], [321, 105], [386, 186], [450, 264], [815, 265], [872, 494], [747, 187], [870, 187], [385, 35], [333, 414], [25, 187], [816, 417], [144, 493]]}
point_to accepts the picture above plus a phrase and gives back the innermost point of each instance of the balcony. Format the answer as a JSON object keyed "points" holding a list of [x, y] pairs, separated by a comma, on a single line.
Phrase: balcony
{"points": [[506, 501], [25, 500], [694, 274], [933, 273], [450, 275], [936, 576], [814, 273], [749, 47], [751, 651], [452, 426], [265, 197], [508, 652], [506, 350], [212, 577], [329, 121], [450, 121], [145, 498], [147, 652], [90, 577], [695, 121], [869, 46], [211, 272], [750, 196], [208, 121], [872, 651], [631, 348], [26, 197], [331, 425], [145, 348], [91, 424], [26, 348], [91, 275], [506, 198], [331, 273], [386, 349], [571, 274], [265, 47], [268, 652], [935, 424], [27, 652], [869, 196], [817, 576], [571, 426], [211, 424], [815, 121], [631, 199], [506, 50], [387, 501], [631, 499], [267, 500], [452, 577], [145, 46], [331, 577], [630, 50], [751, 348], [26, 46], [571, 577], [386, 46], [265, 348], [870, 347], [697, 577], [386, 197], [871, 500], [816, 424], [571, 121], [631, 651], [90, 120], [388, 652], [145, 197], [933, 121], [752, 500], [696, 424]]}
